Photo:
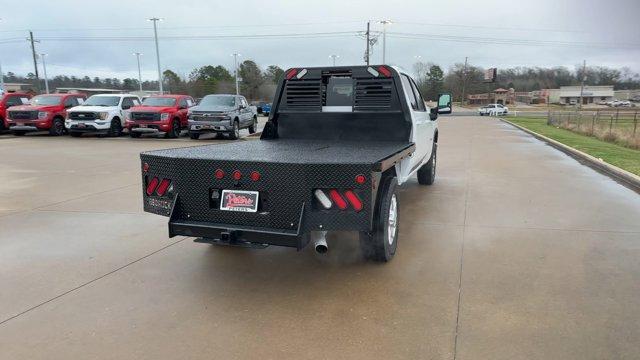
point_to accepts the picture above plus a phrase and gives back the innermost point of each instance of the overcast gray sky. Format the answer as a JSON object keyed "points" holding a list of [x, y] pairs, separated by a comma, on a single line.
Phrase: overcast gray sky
{"points": [[491, 33]]}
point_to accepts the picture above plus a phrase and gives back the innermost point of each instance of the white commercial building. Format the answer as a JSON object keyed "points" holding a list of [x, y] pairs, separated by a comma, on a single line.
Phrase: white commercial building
{"points": [[590, 94]]}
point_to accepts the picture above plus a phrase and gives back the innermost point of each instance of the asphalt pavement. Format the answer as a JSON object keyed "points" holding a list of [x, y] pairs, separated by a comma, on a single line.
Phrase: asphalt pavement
{"points": [[517, 252]]}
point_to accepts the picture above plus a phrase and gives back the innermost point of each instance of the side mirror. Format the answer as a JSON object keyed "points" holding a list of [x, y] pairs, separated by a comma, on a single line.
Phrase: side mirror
{"points": [[433, 114], [444, 103]]}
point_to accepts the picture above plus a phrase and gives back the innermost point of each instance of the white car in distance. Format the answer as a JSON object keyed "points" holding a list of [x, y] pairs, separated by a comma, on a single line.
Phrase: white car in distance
{"points": [[101, 114], [493, 110]]}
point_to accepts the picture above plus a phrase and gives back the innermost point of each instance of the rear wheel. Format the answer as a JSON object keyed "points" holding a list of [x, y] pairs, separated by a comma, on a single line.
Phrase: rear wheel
{"points": [[254, 125], [235, 134], [57, 128], [115, 130], [2, 127], [19, 133], [427, 172], [194, 136], [382, 242]]}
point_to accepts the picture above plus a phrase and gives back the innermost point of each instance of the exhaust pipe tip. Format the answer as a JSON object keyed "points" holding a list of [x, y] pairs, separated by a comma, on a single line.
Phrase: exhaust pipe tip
{"points": [[322, 248], [320, 242]]}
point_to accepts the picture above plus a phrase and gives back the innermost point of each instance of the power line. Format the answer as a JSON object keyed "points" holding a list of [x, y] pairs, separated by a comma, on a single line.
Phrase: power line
{"points": [[491, 27]]}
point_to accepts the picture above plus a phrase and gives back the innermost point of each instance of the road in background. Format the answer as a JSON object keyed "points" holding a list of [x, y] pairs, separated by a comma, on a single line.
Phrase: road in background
{"points": [[516, 252]]}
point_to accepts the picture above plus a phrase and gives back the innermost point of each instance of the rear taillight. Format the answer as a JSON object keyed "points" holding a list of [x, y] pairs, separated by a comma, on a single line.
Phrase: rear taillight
{"points": [[354, 200], [237, 175], [337, 199], [162, 188], [151, 186], [219, 174], [360, 179], [255, 176]]}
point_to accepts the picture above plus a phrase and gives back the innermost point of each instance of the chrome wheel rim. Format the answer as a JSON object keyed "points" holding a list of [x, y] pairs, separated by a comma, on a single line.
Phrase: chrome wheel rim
{"points": [[393, 220], [435, 160], [236, 130]]}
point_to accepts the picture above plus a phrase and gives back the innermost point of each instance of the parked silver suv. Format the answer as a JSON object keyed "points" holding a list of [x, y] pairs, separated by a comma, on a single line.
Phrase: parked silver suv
{"points": [[222, 114]]}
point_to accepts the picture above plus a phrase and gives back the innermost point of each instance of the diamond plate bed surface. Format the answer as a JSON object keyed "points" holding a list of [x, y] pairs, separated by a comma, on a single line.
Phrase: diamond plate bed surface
{"points": [[288, 151]]}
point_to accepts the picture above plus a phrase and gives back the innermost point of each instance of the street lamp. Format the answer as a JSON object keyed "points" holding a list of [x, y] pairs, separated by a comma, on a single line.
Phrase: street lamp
{"points": [[384, 39], [334, 57], [235, 66], [44, 67], [155, 34], [1, 76], [137, 54]]}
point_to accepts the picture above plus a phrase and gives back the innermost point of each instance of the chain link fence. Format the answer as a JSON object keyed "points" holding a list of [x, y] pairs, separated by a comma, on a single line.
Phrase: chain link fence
{"points": [[615, 125]]}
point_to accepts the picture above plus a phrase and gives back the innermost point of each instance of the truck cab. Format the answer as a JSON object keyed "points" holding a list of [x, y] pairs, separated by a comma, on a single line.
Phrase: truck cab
{"points": [[160, 114], [101, 114], [8, 100], [43, 113], [338, 144], [222, 114]]}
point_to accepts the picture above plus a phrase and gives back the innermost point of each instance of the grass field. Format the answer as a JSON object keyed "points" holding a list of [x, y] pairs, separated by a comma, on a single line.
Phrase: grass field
{"points": [[622, 157]]}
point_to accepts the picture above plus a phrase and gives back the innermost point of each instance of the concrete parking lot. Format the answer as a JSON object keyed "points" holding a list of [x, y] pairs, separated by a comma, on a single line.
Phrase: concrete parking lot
{"points": [[517, 252]]}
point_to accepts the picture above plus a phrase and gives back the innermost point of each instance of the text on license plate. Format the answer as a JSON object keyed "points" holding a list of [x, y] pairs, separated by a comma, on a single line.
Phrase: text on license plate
{"points": [[239, 200]]}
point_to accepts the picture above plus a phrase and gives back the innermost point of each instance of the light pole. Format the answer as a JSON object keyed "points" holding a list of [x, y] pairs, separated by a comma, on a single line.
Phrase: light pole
{"points": [[384, 39], [235, 66], [137, 54], [155, 34], [334, 57], [44, 67]]}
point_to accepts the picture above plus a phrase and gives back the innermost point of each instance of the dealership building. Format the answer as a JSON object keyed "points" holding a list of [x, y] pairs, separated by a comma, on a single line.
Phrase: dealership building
{"points": [[590, 94]]}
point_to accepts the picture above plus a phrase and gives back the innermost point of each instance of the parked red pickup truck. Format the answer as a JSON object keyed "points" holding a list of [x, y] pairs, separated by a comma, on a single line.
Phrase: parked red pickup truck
{"points": [[8, 100], [160, 114], [44, 113]]}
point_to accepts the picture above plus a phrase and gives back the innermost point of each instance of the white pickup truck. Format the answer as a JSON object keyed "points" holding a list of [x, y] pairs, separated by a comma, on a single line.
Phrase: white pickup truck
{"points": [[101, 114], [338, 143], [493, 110]]}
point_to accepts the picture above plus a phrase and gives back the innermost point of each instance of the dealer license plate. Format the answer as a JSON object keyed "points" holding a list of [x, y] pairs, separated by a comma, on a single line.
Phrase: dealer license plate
{"points": [[239, 200]]}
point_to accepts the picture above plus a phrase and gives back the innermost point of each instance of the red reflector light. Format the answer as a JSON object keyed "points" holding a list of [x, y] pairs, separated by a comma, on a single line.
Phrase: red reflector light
{"points": [[145, 167], [337, 199], [237, 175], [360, 179], [162, 188], [354, 200], [151, 187], [384, 71], [255, 176], [219, 174], [291, 73]]}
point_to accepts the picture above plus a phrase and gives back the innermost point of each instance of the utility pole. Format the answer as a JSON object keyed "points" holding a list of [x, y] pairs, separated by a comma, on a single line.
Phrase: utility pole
{"points": [[334, 57], [44, 67], [384, 40], [137, 54], [464, 80], [155, 34], [235, 66], [584, 78], [368, 45], [35, 59]]}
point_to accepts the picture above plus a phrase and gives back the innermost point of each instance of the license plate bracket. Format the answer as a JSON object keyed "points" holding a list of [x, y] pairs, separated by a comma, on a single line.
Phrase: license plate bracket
{"points": [[239, 200]]}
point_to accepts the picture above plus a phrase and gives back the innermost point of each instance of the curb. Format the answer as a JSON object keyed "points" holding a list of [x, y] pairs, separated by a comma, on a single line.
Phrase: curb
{"points": [[628, 179]]}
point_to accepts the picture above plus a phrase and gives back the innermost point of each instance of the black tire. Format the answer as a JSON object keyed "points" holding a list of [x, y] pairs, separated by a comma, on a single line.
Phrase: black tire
{"points": [[194, 136], [427, 172], [235, 134], [379, 245], [57, 128], [115, 130], [75, 134], [2, 127], [134, 134], [19, 133], [174, 132], [254, 125]]}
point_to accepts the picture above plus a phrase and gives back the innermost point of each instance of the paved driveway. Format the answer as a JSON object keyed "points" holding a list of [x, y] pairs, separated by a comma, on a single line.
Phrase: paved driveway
{"points": [[517, 252]]}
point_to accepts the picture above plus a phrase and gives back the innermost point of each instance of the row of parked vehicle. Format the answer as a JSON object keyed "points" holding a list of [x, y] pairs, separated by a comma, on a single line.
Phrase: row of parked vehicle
{"points": [[111, 114]]}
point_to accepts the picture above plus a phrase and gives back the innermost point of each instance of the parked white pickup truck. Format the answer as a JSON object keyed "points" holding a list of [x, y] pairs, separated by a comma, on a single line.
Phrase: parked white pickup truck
{"points": [[102, 114], [493, 110], [338, 143]]}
